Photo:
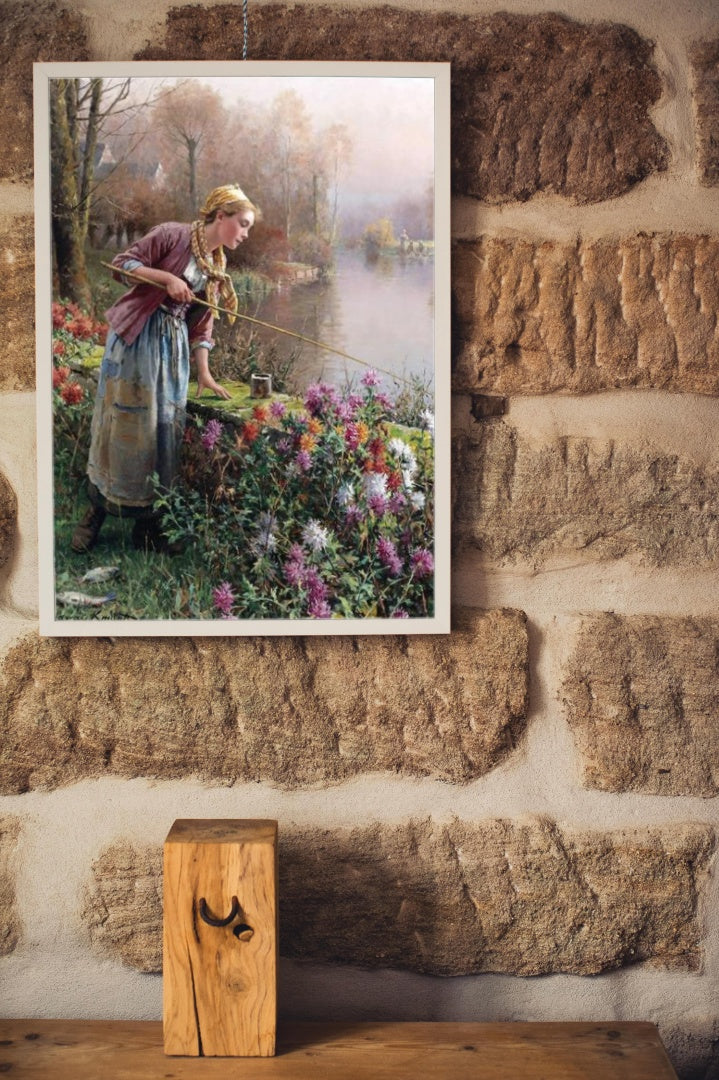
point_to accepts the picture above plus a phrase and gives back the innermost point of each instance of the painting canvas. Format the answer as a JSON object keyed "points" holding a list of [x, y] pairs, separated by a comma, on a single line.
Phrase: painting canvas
{"points": [[243, 348]]}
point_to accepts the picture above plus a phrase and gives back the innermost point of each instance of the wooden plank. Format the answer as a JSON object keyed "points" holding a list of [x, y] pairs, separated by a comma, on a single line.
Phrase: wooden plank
{"points": [[118, 1050], [220, 982]]}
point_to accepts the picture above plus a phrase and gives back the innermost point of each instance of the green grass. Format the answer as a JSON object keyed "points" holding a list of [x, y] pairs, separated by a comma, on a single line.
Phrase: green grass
{"points": [[240, 402], [148, 585]]}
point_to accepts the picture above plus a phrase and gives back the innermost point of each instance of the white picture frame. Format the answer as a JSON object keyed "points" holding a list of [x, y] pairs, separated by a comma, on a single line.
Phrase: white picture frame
{"points": [[377, 90]]}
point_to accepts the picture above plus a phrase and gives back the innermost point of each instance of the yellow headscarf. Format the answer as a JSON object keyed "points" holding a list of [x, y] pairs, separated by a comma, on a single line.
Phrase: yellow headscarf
{"points": [[221, 196]]}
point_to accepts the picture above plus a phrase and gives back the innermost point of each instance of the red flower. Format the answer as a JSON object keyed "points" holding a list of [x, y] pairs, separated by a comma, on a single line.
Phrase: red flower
{"points": [[82, 326], [58, 348], [72, 393], [250, 431], [260, 413], [58, 315], [394, 481], [59, 374]]}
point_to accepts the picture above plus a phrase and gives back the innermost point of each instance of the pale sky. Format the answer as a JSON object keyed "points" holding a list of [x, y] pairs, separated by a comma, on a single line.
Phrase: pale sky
{"points": [[390, 122]]}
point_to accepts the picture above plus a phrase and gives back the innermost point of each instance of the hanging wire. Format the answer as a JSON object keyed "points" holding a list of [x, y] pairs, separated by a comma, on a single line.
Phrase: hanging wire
{"points": [[244, 29]]}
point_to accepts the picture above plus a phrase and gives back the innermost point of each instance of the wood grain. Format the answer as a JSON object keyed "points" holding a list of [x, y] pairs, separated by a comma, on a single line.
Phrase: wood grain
{"points": [[86, 1050], [219, 986]]}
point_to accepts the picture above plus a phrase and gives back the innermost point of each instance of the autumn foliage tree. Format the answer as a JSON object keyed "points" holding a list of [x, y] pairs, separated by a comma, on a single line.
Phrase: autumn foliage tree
{"points": [[191, 122]]}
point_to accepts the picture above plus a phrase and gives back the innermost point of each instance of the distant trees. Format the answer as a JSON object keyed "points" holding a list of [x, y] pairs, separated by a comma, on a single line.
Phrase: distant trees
{"points": [[191, 123], [337, 150], [379, 235], [129, 153]]}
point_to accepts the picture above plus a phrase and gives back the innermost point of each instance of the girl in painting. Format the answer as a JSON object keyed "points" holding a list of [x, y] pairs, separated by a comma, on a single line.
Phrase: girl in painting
{"points": [[139, 418]]}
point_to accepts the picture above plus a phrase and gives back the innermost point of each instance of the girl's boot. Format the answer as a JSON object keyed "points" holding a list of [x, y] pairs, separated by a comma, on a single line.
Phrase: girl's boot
{"points": [[87, 531]]}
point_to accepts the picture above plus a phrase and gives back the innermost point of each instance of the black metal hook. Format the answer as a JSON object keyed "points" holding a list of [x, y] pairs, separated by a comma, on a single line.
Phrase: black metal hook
{"points": [[206, 917]]}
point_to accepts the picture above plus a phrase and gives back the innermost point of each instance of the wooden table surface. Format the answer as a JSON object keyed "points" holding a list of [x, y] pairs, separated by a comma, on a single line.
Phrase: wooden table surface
{"points": [[123, 1050]]}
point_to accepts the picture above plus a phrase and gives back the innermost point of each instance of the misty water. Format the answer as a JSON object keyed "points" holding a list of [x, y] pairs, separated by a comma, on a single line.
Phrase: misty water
{"points": [[381, 311]]}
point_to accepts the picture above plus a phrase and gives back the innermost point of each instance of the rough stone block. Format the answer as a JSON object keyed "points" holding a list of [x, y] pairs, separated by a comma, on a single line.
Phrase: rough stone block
{"points": [[539, 102], [705, 61], [292, 711], [8, 519], [9, 918], [17, 304], [606, 499], [535, 318], [521, 897], [30, 33], [642, 697], [123, 904]]}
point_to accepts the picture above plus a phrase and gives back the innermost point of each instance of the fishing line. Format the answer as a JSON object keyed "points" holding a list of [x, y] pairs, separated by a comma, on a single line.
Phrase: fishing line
{"points": [[268, 326]]}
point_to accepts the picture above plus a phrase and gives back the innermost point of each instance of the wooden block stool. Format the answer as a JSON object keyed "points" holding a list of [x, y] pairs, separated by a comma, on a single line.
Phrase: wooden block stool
{"points": [[220, 938]]}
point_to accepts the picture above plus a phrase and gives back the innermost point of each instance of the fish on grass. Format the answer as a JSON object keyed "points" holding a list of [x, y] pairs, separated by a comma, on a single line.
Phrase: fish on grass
{"points": [[100, 573], [80, 599]]}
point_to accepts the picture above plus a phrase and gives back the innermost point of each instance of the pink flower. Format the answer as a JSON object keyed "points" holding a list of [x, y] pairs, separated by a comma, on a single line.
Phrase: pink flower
{"points": [[278, 409], [303, 461], [352, 436], [319, 609], [320, 397], [399, 613], [387, 554], [223, 598], [378, 503], [211, 434], [294, 568], [370, 378], [317, 605], [422, 563]]}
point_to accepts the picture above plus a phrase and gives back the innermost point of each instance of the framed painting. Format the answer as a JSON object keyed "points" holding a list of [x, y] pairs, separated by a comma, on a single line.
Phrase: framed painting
{"points": [[243, 348]]}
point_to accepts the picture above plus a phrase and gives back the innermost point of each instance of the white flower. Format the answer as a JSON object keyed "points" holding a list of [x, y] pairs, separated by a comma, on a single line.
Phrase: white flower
{"points": [[408, 477], [375, 484], [427, 420], [315, 536], [401, 449], [417, 500], [345, 495], [405, 455]]}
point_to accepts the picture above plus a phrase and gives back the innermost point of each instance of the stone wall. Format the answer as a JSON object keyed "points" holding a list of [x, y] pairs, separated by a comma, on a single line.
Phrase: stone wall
{"points": [[532, 795]]}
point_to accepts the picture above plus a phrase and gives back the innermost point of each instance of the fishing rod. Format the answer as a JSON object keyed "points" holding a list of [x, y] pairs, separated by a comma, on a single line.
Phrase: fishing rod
{"points": [[258, 322]]}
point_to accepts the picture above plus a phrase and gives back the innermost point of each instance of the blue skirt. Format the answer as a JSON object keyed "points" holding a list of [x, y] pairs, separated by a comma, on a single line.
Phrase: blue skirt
{"points": [[139, 418]]}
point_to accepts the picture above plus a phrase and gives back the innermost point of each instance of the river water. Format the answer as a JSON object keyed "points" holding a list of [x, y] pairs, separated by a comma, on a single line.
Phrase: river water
{"points": [[381, 311]]}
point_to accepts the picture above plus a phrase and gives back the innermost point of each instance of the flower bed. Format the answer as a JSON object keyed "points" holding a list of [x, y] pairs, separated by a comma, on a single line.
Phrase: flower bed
{"points": [[324, 512]]}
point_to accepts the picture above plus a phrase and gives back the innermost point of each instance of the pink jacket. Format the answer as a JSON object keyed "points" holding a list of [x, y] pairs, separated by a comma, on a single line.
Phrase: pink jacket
{"points": [[166, 247]]}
